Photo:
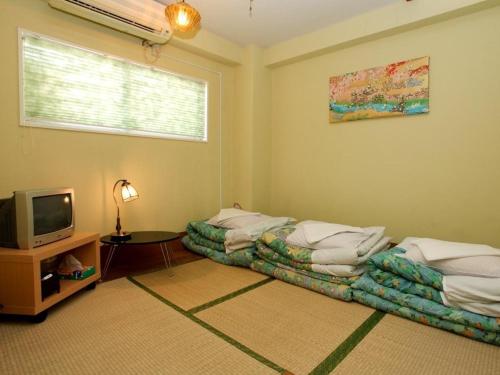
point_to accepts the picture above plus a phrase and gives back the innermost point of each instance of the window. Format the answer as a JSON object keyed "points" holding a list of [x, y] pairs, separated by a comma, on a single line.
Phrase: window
{"points": [[67, 87]]}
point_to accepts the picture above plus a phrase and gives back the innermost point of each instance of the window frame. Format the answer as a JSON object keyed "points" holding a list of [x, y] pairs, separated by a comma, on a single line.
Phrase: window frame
{"points": [[26, 121]]}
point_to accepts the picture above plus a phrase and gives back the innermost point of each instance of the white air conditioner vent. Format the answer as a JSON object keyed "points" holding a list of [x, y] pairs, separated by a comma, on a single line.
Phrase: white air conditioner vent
{"points": [[142, 18]]}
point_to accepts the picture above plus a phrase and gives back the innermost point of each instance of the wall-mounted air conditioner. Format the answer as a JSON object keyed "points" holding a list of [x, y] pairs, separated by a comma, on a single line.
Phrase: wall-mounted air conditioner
{"points": [[142, 18]]}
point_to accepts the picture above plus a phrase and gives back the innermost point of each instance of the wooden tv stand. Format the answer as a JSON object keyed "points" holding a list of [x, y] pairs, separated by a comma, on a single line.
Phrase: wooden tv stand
{"points": [[20, 274]]}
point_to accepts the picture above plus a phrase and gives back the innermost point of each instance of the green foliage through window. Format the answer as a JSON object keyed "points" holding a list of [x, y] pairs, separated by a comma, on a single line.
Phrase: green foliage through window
{"points": [[67, 86]]}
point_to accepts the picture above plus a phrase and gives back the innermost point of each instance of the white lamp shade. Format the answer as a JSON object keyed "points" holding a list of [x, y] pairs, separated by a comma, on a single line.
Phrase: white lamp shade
{"points": [[129, 193]]}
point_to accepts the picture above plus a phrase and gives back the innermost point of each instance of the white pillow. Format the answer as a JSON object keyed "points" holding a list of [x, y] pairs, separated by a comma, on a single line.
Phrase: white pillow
{"points": [[241, 222], [361, 239], [233, 218], [483, 266], [439, 250]]}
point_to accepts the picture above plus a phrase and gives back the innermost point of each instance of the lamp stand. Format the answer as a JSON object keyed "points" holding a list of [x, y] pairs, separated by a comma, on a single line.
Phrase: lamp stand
{"points": [[119, 236], [122, 237]]}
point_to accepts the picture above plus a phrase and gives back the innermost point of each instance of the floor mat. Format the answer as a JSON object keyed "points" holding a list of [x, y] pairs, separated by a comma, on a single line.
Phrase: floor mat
{"points": [[399, 346], [196, 283], [118, 328], [291, 326]]}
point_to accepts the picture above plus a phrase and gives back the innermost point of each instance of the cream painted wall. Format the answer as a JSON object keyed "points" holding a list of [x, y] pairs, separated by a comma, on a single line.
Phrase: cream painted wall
{"points": [[429, 175], [261, 133], [177, 181], [380, 22], [242, 137], [252, 133]]}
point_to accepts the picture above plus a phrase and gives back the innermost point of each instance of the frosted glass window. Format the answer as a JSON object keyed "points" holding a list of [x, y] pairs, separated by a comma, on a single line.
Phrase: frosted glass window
{"points": [[67, 87]]}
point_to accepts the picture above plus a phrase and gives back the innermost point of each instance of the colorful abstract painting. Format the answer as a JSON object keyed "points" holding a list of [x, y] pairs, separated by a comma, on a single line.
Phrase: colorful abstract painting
{"points": [[397, 89]]}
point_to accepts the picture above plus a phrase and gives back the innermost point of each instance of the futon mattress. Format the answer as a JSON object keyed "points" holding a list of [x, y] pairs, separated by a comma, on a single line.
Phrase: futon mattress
{"points": [[411, 290], [207, 240], [278, 260], [331, 289]]}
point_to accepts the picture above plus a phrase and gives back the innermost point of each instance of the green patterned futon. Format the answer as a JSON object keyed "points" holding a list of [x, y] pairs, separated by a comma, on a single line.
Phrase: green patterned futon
{"points": [[270, 256], [275, 240], [207, 240], [401, 287], [274, 263], [331, 289]]}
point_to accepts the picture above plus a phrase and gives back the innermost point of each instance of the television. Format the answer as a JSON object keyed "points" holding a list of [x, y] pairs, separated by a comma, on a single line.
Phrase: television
{"points": [[32, 218]]}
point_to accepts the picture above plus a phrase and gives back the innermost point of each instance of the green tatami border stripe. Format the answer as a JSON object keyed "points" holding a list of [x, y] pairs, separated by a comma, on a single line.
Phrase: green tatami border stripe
{"points": [[338, 355], [207, 305], [210, 328]]}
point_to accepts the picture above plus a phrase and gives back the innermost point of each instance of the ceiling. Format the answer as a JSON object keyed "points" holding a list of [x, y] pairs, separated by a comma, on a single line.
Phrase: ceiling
{"points": [[274, 21]]}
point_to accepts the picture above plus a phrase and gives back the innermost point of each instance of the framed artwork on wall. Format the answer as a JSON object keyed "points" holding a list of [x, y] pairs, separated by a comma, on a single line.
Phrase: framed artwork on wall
{"points": [[397, 89]]}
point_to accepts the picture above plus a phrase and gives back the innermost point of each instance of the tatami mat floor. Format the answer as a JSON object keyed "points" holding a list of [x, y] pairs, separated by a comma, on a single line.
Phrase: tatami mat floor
{"points": [[200, 282], [209, 318], [291, 326], [118, 329], [399, 346]]}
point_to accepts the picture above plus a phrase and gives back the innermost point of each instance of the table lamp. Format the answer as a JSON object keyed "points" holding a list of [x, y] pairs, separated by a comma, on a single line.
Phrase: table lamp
{"points": [[128, 194]]}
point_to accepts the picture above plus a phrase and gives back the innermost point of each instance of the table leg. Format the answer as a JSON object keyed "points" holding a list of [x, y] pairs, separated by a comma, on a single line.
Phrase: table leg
{"points": [[166, 257], [111, 253]]}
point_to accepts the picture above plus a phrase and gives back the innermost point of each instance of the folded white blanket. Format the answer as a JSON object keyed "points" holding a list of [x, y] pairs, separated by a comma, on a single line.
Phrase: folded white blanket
{"points": [[229, 213], [439, 250], [348, 256], [317, 231], [338, 270], [240, 238], [359, 241], [481, 266], [377, 234], [233, 218], [488, 309], [471, 289]]}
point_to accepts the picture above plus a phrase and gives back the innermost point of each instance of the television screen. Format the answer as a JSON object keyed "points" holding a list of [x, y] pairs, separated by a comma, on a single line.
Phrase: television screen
{"points": [[51, 213]]}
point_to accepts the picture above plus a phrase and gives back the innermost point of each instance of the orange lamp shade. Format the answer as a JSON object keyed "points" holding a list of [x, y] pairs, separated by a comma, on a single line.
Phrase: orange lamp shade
{"points": [[182, 16]]}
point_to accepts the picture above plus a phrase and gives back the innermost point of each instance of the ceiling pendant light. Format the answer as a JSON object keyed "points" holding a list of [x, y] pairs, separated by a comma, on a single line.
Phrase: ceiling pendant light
{"points": [[182, 16]]}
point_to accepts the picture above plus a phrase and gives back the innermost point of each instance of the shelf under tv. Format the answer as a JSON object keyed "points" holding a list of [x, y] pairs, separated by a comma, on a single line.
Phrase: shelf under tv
{"points": [[20, 274]]}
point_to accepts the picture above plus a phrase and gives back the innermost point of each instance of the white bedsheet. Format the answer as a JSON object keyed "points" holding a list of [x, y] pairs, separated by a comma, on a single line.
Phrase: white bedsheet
{"points": [[234, 218], [229, 213], [317, 231], [480, 295], [438, 250], [488, 309], [338, 270], [472, 289], [359, 240], [480, 266], [348, 256]]}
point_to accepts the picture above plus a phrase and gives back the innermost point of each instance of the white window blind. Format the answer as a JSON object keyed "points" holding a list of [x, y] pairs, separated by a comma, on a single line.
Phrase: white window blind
{"points": [[67, 87]]}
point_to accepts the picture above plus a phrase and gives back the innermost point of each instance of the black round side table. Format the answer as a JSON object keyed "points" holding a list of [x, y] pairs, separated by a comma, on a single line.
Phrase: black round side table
{"points": [[140, 238]]}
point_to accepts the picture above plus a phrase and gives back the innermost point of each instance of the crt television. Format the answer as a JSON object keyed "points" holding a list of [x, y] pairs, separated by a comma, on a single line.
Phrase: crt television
{"points": [[32, 218]]}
